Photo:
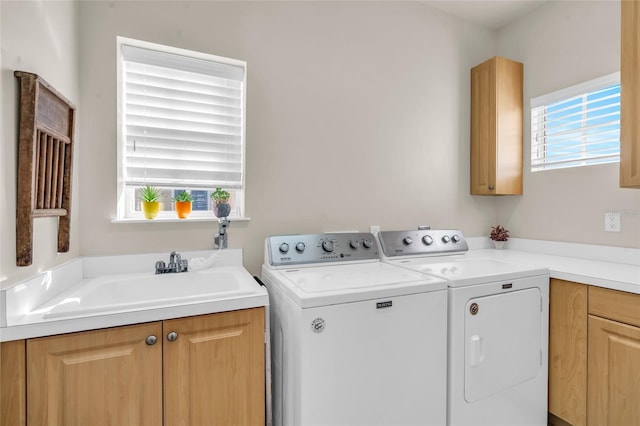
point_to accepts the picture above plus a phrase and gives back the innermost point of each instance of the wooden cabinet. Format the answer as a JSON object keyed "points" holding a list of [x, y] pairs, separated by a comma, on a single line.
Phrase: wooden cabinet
{"points": [[568, 351], [496, 127], [203, 370], [630, 95], [614, 358], [103, 377], [214, 370]]}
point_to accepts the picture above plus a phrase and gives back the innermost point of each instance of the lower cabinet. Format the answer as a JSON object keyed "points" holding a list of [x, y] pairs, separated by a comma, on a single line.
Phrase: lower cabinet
{"points": [[204, 370], [594, 356]]}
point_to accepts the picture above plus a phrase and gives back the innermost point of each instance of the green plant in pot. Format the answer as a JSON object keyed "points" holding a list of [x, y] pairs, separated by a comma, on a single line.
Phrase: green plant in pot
{"points": [[221, 207], [183, 204], [150, 196]]}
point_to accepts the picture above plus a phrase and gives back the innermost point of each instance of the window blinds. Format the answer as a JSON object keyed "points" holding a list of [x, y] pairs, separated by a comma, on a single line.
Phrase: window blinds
{"points": [[183, 120], [577, 126]]}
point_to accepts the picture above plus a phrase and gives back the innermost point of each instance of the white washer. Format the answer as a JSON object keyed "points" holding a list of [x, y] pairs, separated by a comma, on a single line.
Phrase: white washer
{"points": [[498, 328], [355, 341]]}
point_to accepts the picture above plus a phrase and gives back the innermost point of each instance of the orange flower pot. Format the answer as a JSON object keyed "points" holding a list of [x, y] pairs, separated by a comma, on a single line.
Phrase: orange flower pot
{"points": [[183, 209]]}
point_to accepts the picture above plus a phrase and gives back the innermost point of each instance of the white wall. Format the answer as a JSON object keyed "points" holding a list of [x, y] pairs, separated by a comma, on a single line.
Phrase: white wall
{"points": [[357, 115], [42, 38], [562, 44]]}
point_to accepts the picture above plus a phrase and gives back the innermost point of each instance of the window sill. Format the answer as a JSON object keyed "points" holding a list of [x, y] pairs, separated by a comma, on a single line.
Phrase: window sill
{"points": [[175, 219]]}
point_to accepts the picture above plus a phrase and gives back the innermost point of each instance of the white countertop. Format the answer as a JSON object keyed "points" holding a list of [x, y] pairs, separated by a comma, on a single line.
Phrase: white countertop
{"points": [[36, 307], [609, 267]]}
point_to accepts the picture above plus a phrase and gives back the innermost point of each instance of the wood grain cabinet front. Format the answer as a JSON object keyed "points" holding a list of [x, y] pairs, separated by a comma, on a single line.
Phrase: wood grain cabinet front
{"points": [[203, 370], [496, 127], [630, 94]]}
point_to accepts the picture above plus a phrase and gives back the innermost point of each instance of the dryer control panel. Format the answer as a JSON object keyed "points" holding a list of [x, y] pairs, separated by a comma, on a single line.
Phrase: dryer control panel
{"points": [[320, 248], [422, 242]]}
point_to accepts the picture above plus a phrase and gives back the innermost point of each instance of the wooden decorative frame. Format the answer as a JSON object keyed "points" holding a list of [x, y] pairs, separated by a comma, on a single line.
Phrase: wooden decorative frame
{"points": [[45, 155]]}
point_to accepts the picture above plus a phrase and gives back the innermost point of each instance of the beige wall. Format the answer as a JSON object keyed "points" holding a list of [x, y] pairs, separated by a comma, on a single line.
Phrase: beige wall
{"points": [[42, 38], [562, 44], [357, 115]]}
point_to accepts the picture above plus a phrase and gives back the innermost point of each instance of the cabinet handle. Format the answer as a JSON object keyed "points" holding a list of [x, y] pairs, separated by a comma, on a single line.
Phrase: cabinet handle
{"points": [[491, 187], [151, 340], [172, 337]]}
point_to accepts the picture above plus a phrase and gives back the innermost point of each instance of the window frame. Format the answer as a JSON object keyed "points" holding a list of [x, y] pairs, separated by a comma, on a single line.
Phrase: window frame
{"points": [[125, 207], [565, 95]]}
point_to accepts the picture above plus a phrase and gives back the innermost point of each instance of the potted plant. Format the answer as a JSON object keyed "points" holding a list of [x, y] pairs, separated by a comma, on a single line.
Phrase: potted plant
{"points": [[221, 206], [183, 204], [499, 235], [150, 196]]}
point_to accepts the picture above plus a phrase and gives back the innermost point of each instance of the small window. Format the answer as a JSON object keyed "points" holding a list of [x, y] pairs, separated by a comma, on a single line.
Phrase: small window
{"points": [[181, 126], [577, 126]]}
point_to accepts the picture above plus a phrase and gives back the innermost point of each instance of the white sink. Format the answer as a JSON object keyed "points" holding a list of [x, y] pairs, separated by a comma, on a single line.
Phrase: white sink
{"points": [[116, 293]]}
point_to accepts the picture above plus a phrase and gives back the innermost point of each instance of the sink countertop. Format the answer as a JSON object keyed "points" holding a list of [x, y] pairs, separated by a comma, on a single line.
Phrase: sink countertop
{"points": [[50, 304]]}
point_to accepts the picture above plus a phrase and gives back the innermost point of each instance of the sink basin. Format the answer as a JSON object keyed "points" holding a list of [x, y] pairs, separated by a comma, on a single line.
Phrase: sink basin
{"points": [[117, 293]]}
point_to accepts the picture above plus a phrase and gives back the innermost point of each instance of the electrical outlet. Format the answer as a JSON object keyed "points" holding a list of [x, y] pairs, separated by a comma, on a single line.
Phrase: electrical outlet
{"points": [[612, 222]]}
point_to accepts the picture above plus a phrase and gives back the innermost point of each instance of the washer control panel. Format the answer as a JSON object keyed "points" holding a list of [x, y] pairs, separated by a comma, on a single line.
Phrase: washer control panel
{"points": [[422, 242], [321, 248]]}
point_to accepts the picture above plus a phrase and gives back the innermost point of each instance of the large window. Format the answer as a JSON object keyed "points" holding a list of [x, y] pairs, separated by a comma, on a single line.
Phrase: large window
{"points": [[181, 126], [577, 126]]}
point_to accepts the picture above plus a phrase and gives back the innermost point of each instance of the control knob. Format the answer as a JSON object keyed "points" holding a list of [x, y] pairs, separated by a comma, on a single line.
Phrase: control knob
{"points": [[455, 238], [407, 241], [327, 246], [446, 239], [427, 240], [300, 247], [284, 248], [367, 243], [354, 244]]}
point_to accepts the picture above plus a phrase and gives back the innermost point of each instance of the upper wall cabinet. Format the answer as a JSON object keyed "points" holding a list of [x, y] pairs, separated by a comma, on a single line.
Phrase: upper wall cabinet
{"points": [[496, 127], [630, 95]]}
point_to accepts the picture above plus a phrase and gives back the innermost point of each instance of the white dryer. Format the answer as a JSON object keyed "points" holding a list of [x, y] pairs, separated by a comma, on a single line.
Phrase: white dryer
{"points": [[498, 328], [354, 341]]}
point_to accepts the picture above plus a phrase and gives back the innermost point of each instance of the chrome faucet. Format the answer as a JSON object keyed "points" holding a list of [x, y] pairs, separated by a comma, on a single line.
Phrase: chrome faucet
{"points": [[221, 236], [176, 264]]}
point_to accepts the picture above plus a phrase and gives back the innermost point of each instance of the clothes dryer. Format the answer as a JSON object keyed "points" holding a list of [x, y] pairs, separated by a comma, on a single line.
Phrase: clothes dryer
{"points": [[498, 317]]}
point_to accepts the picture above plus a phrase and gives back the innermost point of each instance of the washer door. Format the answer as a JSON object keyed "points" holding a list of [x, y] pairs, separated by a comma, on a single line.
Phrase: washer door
{"points": [[503, 342]]}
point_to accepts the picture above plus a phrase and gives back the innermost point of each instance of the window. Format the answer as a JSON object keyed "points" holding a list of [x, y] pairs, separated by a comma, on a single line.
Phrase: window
{"points": [[577, 126], [181, 126]]}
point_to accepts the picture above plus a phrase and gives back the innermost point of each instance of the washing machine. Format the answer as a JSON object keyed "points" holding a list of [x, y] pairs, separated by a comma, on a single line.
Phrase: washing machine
{"points": [[498, 316], [355, 341]]}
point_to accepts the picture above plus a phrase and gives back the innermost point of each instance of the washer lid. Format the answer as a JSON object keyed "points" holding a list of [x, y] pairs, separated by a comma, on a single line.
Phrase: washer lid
{"points": [[463, 272], [330, 285]]}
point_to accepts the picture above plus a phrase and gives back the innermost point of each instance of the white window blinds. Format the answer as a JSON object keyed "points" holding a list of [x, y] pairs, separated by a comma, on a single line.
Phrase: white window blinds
{"points": [[183, 118], [577, 126]]}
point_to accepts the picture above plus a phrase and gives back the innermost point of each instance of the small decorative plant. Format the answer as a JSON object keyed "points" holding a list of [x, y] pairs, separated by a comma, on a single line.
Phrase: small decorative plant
{"points": [[499, 233], [221, 207], [183, 204], [150, 194], [183, 197], [220, 196]]}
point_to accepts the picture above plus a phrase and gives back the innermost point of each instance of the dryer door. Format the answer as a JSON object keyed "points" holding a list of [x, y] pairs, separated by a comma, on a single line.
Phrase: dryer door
{"points": [[503, 342]]}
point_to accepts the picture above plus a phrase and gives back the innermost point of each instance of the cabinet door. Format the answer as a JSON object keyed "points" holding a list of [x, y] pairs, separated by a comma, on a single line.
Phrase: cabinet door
{"points": [[630, 95], [483, 128], [214, 369], [496, 127], [568, 351], [103, 377], [614, 373]]}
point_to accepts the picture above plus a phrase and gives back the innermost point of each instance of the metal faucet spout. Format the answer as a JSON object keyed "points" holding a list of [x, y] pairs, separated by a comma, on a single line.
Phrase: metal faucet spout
{"points": [[222, 236]]}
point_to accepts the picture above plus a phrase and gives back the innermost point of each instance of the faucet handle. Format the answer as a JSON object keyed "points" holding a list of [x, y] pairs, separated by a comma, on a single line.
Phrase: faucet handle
{"points": [[183, 265], [160, 267]]}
